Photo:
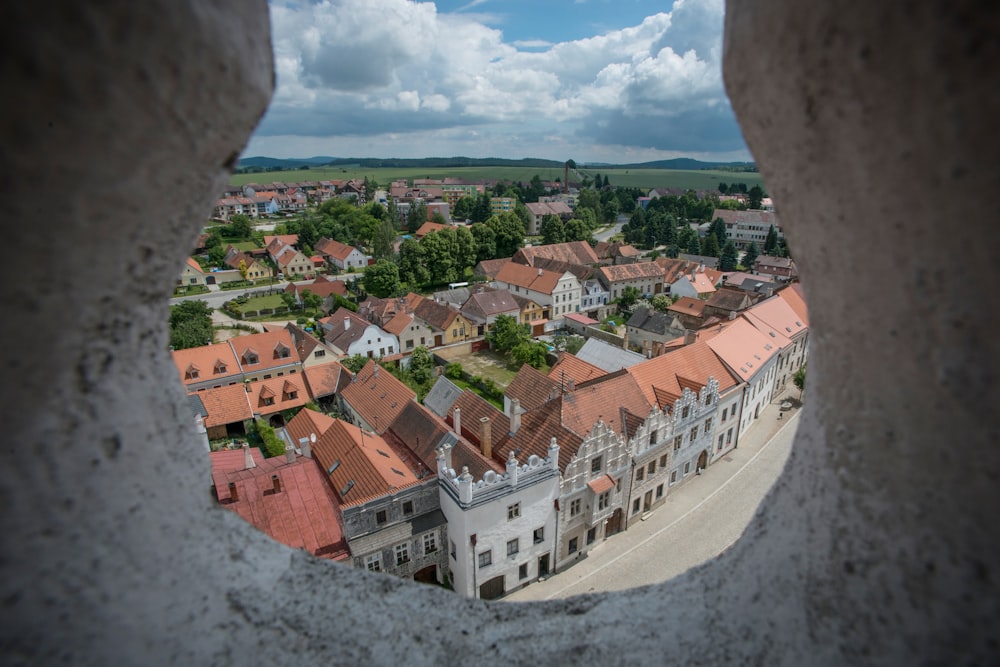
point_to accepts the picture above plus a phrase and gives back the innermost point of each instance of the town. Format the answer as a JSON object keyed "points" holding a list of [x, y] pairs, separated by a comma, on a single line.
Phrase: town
{"points": [[473, 384]]}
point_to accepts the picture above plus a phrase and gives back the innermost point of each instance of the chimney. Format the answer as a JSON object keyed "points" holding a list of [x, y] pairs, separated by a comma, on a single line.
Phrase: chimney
{"points": [[690, 336], [307, 446], [375, 372], [248, 457], [539, 271], [515, 415], [457, 422], [234, 495], [276, 483], [625, 340], [347, 323], [290, 453], [486, 437], [570, 384]]}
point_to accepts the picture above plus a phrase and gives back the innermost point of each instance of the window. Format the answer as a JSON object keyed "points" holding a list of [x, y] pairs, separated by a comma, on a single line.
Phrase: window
{"points": [[267, 376], [639, 474], [573, 545], [402, 553], [725, 411], [380, 517], [694, 434], [513, 547], [574, 507], [677, 442], [293, 395], [659, 491], [604, 500], [522, 571], [708, 399], [673, 476], [729, 436], [721, 438], [635, 506], [652, 438], [430, 543], [408, 507], [269, 400], [319, 353], [409, 344], [486, 558], [591, 535], [651, 468], [374, 562], [708, 425], [539, 535], [685, 411], [687, 467], [453, 549], [663, 461], [513, 511], [595, 465]]}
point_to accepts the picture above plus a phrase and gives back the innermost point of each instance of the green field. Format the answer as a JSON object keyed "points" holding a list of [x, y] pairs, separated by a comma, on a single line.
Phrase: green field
{"points": [[640, 178]]}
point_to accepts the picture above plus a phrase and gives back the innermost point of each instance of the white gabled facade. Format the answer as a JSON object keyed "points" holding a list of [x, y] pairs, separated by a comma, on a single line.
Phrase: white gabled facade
{"points": [[694, 417], [501, 528]]}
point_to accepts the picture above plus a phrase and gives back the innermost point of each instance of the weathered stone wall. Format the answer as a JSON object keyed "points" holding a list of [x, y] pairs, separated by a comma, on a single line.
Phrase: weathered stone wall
{"points": [[871, 122]]}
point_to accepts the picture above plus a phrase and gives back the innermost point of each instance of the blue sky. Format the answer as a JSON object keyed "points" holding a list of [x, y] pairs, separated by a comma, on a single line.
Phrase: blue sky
{"points": [[592, 80]]}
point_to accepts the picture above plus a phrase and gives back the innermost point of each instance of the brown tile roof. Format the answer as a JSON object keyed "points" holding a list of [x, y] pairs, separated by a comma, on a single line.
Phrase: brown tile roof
{"points": [[284, 239], [429, 228], [581, 271], [436, 314], [530, 387], [324, 287], [225, 405], [326, 379], [688, 305], [332, 248], [638, 271], [747, 217], [538, 427], [339, 335], [674, 268], [210, 362], [569, 366], [359, 464], [377, 396], [538, 280], [482, 305], [729, 299], [304, 514], [491, 267], [474, 408], [573, 252], [606, 399], [269, 346], [398, 324], [658, 378]]}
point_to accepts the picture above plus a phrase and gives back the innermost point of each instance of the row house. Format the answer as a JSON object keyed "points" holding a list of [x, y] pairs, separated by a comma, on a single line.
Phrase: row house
{"points": [[593, 295], [649, 328], [241, 261], [447, 324], [391, 520], [227, 207], [340, 255], [790, 329], [617, 253], [746, 227], [725, 303], [779, 269], [411, 331], [349, 334], [689, 311], [249, 357], [559, 293], [752, 357], [647, 277], [485, 305], [699, 284]]}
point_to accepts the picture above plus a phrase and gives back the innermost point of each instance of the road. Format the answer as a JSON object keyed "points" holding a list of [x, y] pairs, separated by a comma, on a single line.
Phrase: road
{"points": [[611, 231], [700, 520], [217, 298]]}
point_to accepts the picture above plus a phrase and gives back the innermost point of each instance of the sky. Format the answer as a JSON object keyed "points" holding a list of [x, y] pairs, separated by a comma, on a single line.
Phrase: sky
{"points": [[616, 81]]}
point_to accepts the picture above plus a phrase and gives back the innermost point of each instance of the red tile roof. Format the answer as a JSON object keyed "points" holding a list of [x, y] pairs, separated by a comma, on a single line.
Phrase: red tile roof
{"points": [[795, 297], [377, 396], [572, 367], [688, 305], [538, 280], [285, 239], [538, 427], [743, 348], [210, 362], [359, 464], [324, 287], [226, 405], [605, 399], [602, 484], [269, 346], [530, 387], [326, 379], [304, 514], [428, 228], [285, 392], [334, 249]]}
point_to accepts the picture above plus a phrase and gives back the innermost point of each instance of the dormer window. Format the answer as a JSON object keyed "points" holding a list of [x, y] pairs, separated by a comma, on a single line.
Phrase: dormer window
{"points": [[191, 373], [268, 400], [250, 357], [281, 352], [220, 368]]}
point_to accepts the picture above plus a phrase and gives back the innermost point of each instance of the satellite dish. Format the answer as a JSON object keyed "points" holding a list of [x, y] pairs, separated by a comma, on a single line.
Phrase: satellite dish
{"points": [[312, 438]]}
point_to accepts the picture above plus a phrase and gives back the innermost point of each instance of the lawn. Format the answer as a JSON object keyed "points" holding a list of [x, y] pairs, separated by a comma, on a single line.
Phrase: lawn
{"points": [[640, 178], [260, 302]]}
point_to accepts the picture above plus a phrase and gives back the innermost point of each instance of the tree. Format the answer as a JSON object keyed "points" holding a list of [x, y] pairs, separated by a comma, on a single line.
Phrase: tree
{"points": [[354, 363], [509, 230], [755, 195], [190, 325], [463, 208], [421, 365], [417, 216], [727, 259], [771, 242], [750, 256], [385, 240], [630, 295], [723, 188], [799, 379], [412, 267], [239, 227], [718, 229], [243, 269], [694, 245], [552, 229], [710, 246], [571, 164], [311, 301], [661, 302], [438, 256], [507, 333], [381, 279], [216, 255], [530, 352], [486, 241], [288, 298]]}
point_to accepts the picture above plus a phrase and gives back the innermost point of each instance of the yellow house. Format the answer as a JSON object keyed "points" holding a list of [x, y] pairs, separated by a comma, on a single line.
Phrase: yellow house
{"points": [[447, 324], [531, 312], [192, 273]]}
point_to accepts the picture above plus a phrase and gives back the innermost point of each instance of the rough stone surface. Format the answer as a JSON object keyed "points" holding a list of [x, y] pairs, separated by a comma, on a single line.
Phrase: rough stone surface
{"points": [[873, 124]]}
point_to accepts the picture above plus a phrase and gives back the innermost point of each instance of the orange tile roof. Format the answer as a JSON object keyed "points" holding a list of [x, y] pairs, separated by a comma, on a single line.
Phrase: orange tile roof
{"points": [[398, 324], [334, 248], [428, 228], [286, 392], [660, 378], [324, 287], [602, 484], [268, 346], [605, 399], [490, 267], [325, 379], [538, 427], [674, 268], [538, 280], [285, 239], [743, 348], [208, 361], [571, 366], [377, 396], [574, 252], [226, 405], [359, 464], [638, 271], [474, 408], [794, 296], [304, 514], [688, 305], [194, 265]]}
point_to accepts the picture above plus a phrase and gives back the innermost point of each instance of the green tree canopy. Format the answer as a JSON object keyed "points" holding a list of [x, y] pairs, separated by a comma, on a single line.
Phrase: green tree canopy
{"points": [[630, 295], [750, 256], [799, 379], [239, 227], [385, 240], [710, 246], [755, 196], [381, 279], [530, 352], [552, 229], [727, 258], [190, 325], [486, 241], [421, 365], [354, 363], [412, 267], [310, 300], [771, 242], [509, 230], [507, 333]]}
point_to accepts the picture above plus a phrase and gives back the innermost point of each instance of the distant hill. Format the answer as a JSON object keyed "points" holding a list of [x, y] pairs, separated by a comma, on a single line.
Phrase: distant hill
{"points": [[442, 162], [274, 163], [690, 164]]}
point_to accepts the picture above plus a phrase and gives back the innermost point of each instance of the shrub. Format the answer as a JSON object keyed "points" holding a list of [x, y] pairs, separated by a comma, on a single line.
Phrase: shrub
{"points": [[271, 443], [453, 371], [302, 320]]}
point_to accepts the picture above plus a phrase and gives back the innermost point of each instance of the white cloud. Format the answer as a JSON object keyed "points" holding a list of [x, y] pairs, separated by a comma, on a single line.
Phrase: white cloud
{"points": [[367, 68]]}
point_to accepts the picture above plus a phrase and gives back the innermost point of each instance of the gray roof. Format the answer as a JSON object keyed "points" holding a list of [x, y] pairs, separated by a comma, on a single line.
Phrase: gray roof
{"points": [[442, 396], [455, 297], [608, 357], [654, 321], [197, 407], [709, 262]]}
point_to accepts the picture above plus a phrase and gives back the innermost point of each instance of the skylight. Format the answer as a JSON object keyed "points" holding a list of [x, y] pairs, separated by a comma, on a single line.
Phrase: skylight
{"points": [[347, 487], [334, 466]]}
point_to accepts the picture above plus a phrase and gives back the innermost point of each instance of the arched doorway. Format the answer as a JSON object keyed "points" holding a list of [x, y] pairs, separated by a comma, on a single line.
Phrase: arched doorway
{"points": [[427, 575], [702, 460], [276, 420]]}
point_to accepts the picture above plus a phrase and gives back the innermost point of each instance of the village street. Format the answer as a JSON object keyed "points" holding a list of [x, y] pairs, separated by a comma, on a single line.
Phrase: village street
{"points": [[700, 519]]}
